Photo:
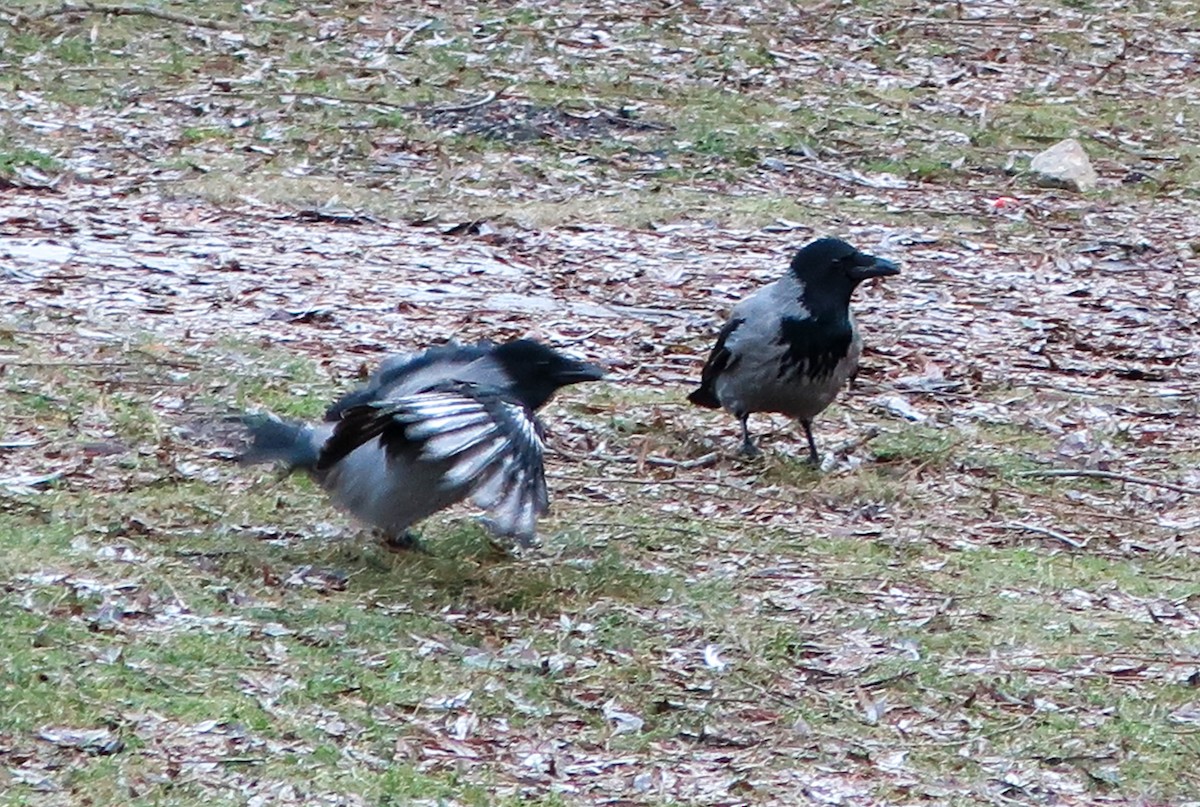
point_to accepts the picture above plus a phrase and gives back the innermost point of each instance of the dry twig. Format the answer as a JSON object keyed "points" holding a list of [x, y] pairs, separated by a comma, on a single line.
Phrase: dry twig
{"points": [[705, 461], [316, 96], [1049, 533], [408, 37], [125, 11], [1114, 476], [483, 100]]}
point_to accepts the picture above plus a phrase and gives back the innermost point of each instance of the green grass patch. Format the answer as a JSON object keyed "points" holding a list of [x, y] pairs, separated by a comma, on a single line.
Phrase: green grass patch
{"points": [[15, 157]]}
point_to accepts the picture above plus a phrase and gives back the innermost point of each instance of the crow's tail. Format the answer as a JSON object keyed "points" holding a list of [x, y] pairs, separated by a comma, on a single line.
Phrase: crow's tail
{"points": [[704, 396], [272, 439]]}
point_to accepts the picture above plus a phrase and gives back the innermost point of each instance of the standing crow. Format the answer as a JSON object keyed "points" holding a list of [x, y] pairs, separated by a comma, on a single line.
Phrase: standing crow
{"points": [[428, 431], [793, 344]]}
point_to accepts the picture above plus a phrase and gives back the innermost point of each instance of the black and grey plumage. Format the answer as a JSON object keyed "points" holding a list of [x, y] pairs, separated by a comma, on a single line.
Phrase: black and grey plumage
{"points": [[430, 430], [791, 346]]}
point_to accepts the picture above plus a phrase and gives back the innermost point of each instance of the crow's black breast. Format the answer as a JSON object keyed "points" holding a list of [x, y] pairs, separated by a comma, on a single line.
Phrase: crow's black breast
{"points": [[816, 345]]}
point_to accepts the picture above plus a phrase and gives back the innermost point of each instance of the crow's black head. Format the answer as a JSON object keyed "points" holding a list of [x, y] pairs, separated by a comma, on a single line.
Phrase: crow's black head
{"points": [[830, 269], [538, 371]]}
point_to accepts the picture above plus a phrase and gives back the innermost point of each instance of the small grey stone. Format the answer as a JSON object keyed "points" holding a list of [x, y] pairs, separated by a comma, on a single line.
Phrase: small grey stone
{"points": [[1064, 165]]}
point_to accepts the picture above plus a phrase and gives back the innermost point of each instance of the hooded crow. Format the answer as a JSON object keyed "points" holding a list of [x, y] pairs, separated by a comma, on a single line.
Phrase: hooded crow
{"points": [[792, 345], [430, 430]]}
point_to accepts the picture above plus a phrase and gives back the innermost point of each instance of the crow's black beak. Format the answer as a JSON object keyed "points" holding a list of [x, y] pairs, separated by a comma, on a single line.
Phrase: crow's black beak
{"points": [[579, 372], [868, 266]]}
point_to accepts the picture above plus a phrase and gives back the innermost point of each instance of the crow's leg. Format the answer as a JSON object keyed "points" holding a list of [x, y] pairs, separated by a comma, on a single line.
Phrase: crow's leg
{"points": [[813, 456], [407, 541], [748, 447]]}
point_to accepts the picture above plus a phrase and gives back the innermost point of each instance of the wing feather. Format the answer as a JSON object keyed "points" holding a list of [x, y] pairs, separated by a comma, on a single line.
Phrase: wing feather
{"points": [[407, 374], [480, 441], [720, 360]]}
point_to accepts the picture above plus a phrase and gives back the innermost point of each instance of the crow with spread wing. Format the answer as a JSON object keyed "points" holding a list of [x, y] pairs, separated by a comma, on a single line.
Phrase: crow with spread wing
{"points": [[428, 431]]}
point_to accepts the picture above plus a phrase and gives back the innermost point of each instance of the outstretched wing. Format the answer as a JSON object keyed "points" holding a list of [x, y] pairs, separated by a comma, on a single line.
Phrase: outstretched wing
{"points": [[410, 373], [479, 441], [719, 360]]}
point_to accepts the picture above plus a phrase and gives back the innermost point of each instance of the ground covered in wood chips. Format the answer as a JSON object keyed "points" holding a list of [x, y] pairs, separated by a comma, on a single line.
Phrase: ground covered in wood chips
{"points": [[987, 595]]}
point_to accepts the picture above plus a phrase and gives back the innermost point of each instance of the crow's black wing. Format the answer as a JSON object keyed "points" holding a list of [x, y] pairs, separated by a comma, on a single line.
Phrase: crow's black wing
{"points": [[719, 360], [477, 439], [410, 373]]}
